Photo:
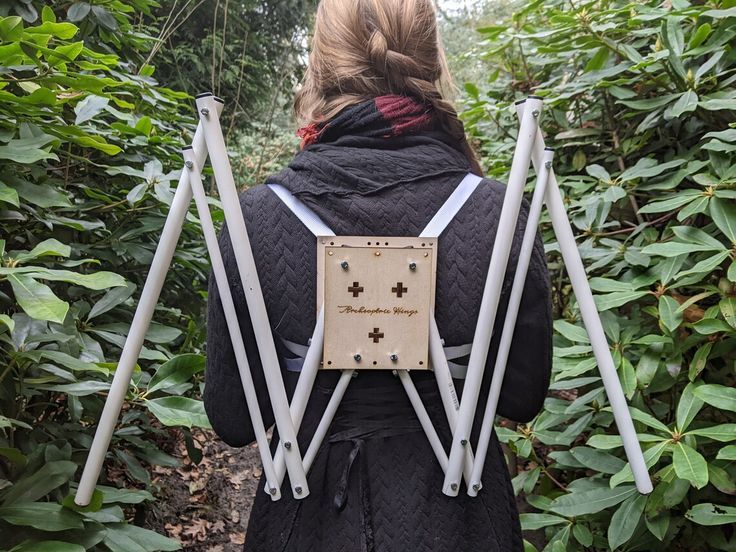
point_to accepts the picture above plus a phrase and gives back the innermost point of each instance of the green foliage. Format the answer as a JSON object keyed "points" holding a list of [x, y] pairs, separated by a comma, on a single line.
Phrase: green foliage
{"points": [[89, 154], [640, 108]]}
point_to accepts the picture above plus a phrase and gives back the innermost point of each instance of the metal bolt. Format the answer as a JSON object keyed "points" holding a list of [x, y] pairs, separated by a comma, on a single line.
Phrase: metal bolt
{"points": [[378, 253], [298, 490], [287, 444], [344, 265], [394, 357], [476, 487], [464, 442], [188, 164], [453, 486], [548, 165], [205, 111], [272, 490], [412, 266], [357, 357], [535, 113]]}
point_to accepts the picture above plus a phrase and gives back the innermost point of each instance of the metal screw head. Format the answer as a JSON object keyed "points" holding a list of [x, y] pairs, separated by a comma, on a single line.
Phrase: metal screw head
{"points": [[298, 490], [287, 444], [476, 487], [378, 253], [535, 113], [188, 164], [204, 111], [357, 357], [394, 357], [272, 490], [548, 165], [412, 266], [453, 486], [344, 265], [464, 442]]}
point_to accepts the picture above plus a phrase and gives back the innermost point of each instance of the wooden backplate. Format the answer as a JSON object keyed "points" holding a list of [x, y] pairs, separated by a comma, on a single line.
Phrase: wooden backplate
{"points": [[379, 305]]}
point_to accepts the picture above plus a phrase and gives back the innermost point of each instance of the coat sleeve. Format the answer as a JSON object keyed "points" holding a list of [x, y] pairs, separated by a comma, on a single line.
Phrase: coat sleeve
{"points": [[529, 365], [224, 399]]}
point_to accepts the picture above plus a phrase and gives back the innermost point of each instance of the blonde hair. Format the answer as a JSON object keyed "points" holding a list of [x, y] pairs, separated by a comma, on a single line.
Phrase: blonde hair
{"points": [[363, 49]]}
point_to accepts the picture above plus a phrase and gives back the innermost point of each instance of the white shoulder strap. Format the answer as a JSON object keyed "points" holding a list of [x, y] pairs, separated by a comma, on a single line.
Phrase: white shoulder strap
{"points": [[450, 208], [303, 213]]}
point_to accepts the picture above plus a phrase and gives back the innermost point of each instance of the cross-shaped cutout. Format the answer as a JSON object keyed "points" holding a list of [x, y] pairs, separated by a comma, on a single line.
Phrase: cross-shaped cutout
{"points": [[356, 289], [375, 335], [399, 290]]}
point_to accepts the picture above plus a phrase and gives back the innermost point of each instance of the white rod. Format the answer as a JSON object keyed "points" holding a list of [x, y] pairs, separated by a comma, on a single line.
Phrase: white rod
{"points": [[517, 290], [446, 386], [253, 293], [233, 326], [327, 417], [138, 328], [492, 293], [591, 319], [303, 390], [426, 423]]}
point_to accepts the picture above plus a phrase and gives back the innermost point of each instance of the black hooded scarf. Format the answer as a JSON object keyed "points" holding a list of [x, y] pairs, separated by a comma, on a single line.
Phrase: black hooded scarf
{"points": [[379, 168]]}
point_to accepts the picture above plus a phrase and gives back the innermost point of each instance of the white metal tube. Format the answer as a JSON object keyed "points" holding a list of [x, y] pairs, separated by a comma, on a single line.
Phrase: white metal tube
{"points": [[492, 293], [591, 319], [327, 417], [446, 386], [303, 390], [517, 290], [233, 326], [253, 293], [139, 326], [426, 423]]}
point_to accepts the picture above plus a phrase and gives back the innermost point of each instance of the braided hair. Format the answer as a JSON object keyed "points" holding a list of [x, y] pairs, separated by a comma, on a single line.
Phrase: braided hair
{"points": [[363, 49]]}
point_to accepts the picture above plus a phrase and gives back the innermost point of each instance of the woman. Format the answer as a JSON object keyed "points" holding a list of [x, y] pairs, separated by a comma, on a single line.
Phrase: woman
{"points": [[382, 149]]}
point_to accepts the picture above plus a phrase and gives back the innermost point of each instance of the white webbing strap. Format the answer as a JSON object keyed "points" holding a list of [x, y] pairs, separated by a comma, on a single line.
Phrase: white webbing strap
{"points": [[302, 212], [452, 205]]}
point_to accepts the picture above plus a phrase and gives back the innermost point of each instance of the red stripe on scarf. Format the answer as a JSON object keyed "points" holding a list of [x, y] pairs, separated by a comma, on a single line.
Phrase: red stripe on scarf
{"points": [[405, 114]]}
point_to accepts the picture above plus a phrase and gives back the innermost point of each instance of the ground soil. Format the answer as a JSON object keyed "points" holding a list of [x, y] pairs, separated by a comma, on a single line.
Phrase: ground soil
{"points": [[206, 505]]}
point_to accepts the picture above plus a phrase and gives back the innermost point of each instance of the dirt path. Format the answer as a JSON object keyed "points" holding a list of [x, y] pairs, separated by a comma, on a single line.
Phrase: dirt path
{"points": [[206, 506]]}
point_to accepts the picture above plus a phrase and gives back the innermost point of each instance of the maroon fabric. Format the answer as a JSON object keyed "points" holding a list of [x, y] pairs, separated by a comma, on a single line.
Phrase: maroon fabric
{"points": [[382, 117]]}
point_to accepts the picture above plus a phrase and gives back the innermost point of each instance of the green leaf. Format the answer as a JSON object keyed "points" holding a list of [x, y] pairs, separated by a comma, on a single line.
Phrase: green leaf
{"points": [[728, 310], [727, 453], [724, 215], [572, 332], [121, 537], [669, 314], [687, 103], [48, 546], [89, 107], [27, 150], [9, 323], [700, 360], [78, 11], [591, 501], [717, 395], [111, 495], [533, 522], [176, 371], [690, 465], [712, 514], [11, 28], [179, 411], [37, 300], [46, 248], [46, 516], [39, 484], [8, 195], [688, 407], [625, 520], [111, 299], [722, 432], [95, 280]]}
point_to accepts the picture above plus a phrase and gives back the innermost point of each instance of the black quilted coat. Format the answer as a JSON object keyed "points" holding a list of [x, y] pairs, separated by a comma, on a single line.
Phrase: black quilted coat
{"points": [[376, 485]]}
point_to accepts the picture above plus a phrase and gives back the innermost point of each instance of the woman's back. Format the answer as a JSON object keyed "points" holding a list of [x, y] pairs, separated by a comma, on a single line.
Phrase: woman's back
{"points": [[375, 484]]}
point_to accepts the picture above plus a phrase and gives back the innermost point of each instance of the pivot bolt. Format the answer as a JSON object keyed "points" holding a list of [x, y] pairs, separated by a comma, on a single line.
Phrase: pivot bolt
{"points": [[357, 357], [272, 490], [394, 357], [535, 113], [412, 266], [476, 487], [205, 111], [344, 265], [188, 164], [287, 445], [464, 442], [453, 486], [548, 165], [298, 490]]}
